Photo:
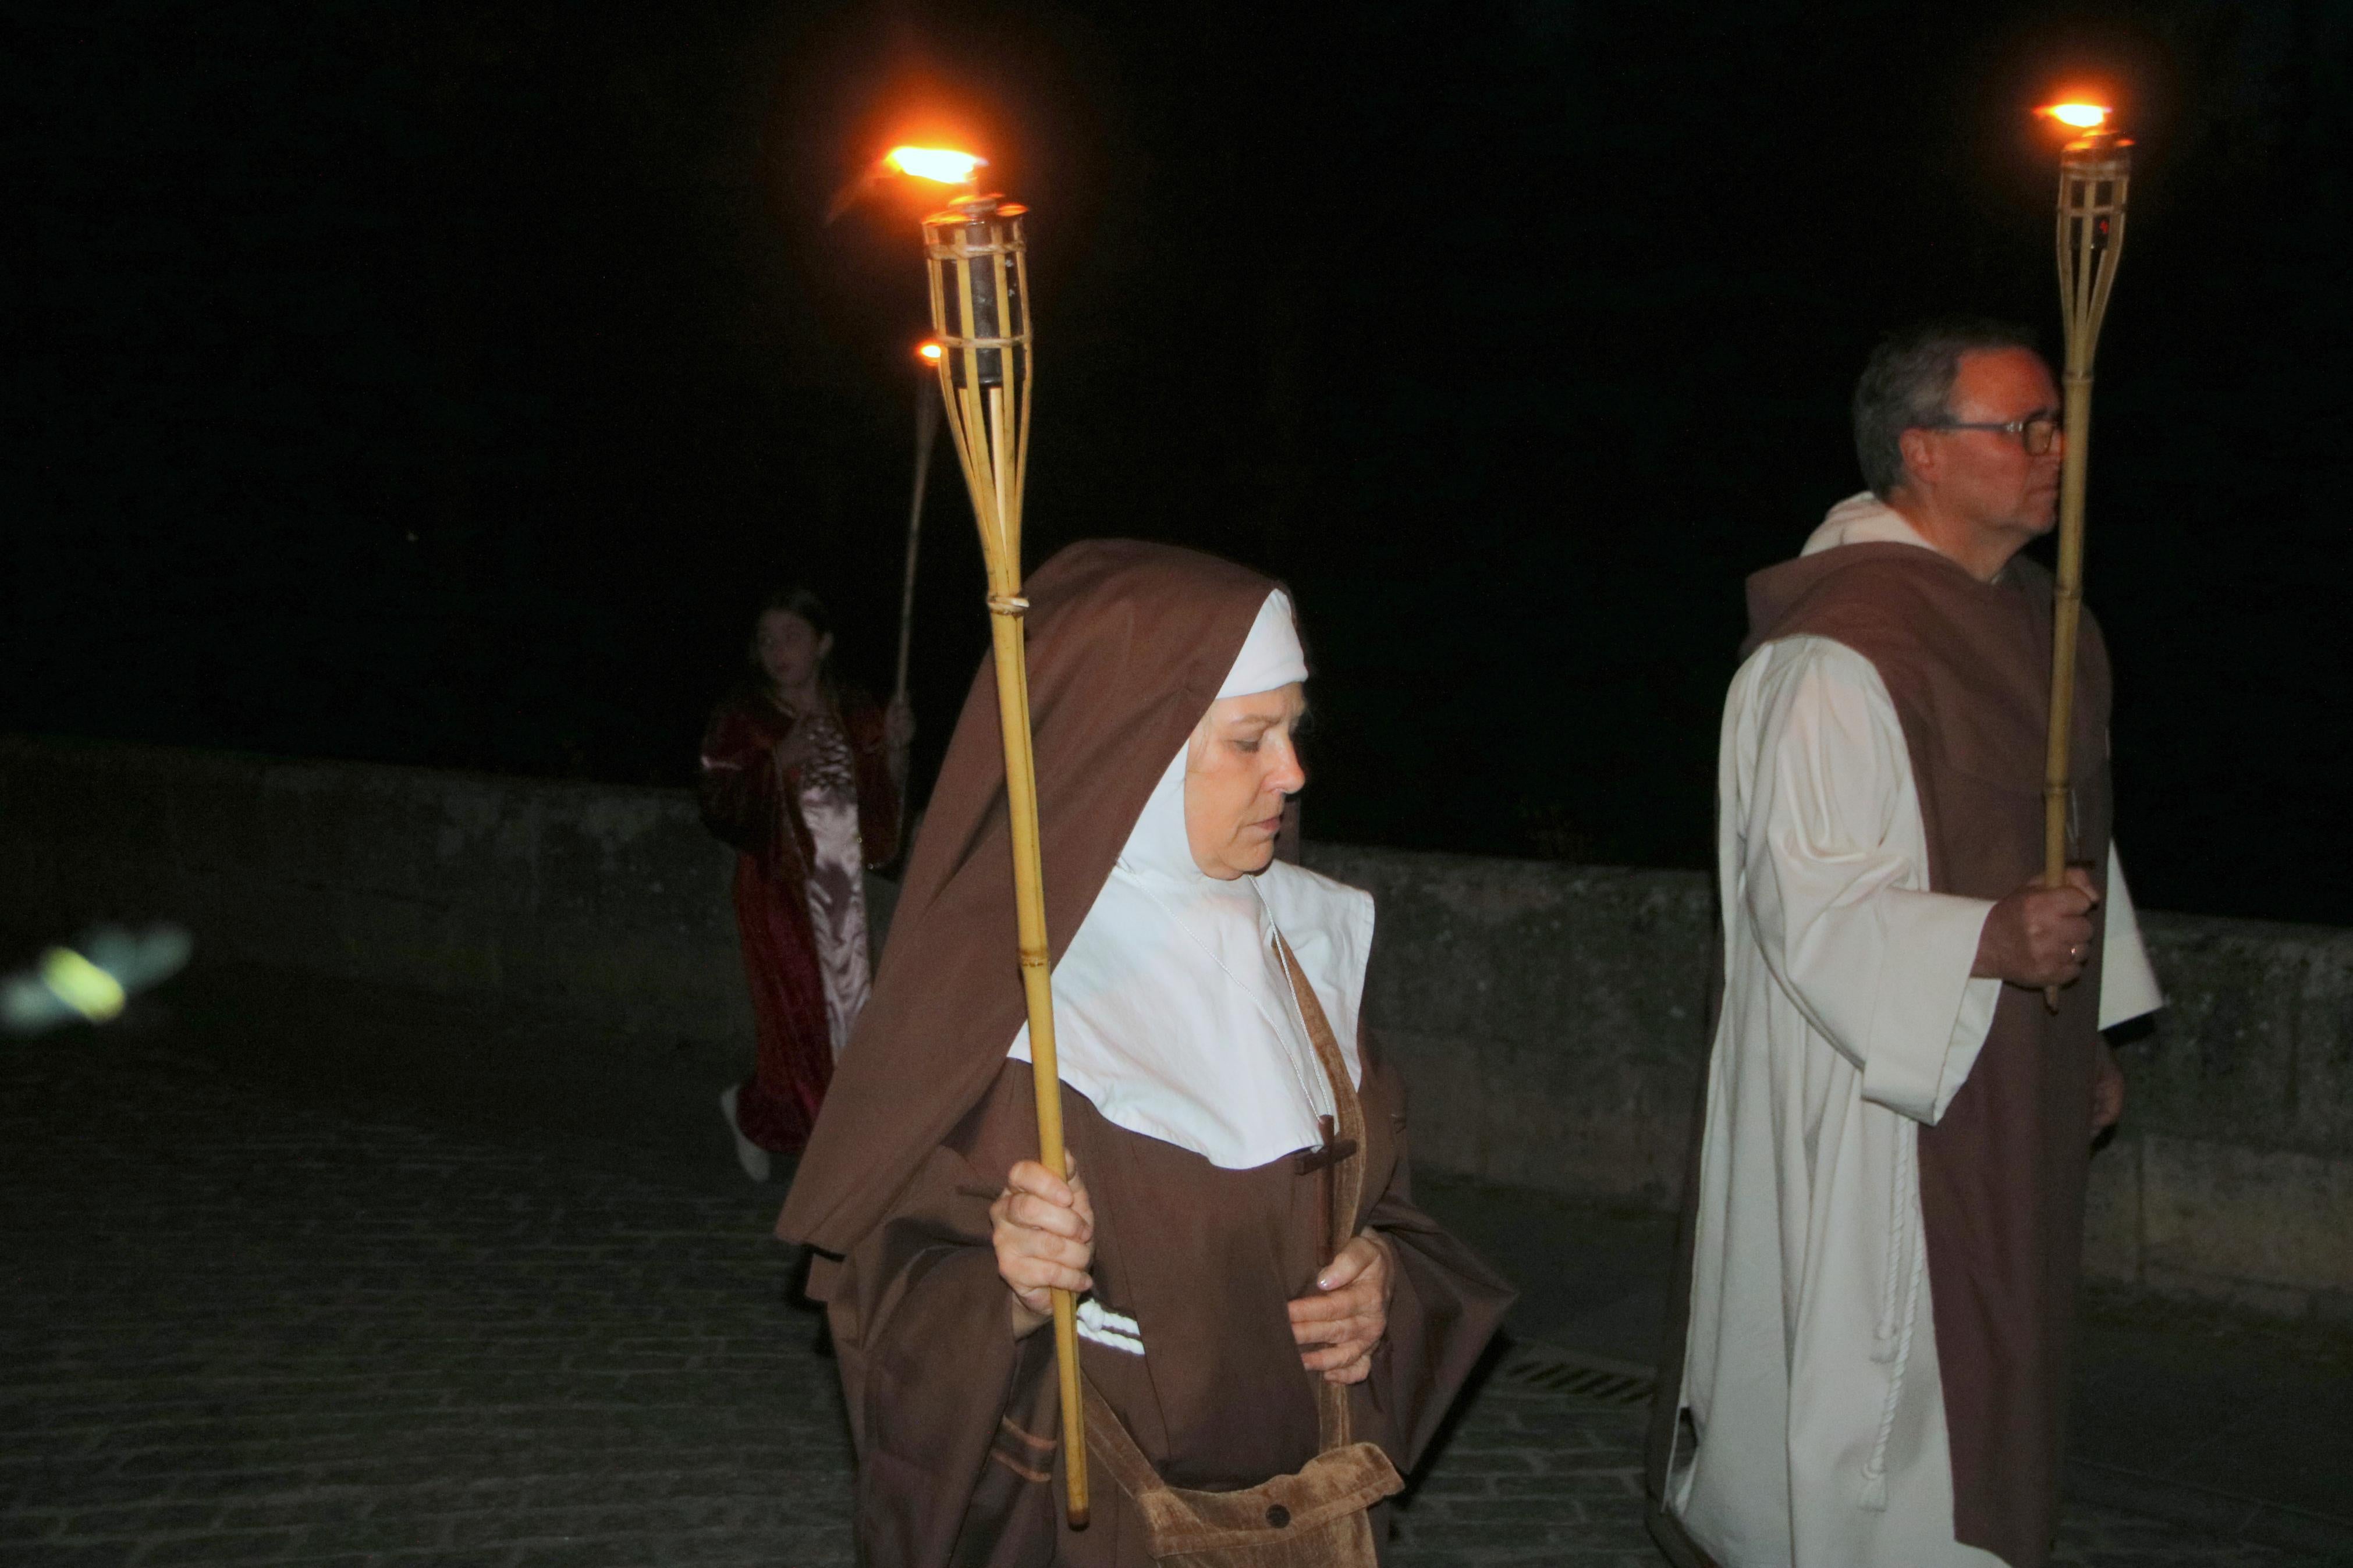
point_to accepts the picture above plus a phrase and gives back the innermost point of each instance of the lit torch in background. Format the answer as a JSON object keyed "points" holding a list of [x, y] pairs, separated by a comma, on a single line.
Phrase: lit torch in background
{"points": [[2094, 170], [927, 429]]}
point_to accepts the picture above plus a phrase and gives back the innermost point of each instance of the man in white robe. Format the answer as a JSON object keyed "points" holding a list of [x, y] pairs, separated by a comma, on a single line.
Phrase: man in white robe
{"points": [[1810, 1423]]}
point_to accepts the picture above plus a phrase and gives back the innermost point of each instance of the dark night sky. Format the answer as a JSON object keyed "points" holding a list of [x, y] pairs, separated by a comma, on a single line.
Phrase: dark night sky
{"points": [[441, 383]]}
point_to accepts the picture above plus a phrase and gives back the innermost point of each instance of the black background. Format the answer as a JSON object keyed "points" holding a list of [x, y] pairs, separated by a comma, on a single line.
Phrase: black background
{"points": [[442, 384]]}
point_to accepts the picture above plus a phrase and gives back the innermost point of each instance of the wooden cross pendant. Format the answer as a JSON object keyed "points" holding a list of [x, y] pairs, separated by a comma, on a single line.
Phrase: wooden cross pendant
{"points": [[1329, 1153]]}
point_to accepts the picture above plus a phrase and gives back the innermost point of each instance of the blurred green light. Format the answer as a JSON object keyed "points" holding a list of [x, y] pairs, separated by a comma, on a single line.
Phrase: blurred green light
{"points": [[81, 984]]}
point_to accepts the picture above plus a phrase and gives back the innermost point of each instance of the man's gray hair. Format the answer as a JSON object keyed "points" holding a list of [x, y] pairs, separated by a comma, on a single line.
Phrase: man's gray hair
{"points": [[1907, 382]]}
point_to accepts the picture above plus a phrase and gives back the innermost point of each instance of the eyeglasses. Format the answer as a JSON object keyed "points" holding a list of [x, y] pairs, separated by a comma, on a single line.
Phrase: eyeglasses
{"points": [[2035, 432]]}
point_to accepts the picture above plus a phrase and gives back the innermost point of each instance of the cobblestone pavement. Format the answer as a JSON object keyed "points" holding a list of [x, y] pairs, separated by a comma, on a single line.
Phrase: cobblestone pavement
{"points": [[241, 1331]]}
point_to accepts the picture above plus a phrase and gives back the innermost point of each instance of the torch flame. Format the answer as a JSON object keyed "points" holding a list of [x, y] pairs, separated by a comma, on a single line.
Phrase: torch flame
{"points": [[944, 164], [2082, 116], [929, 351]]}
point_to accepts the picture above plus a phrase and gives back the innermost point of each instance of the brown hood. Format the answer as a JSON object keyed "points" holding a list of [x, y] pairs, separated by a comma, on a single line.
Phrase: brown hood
{"points": [[1778, 594], [1127, 645], [1908, 610]]}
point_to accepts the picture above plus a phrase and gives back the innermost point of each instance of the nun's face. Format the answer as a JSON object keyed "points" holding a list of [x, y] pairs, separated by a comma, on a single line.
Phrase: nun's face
{"points": [[1240, 766]]}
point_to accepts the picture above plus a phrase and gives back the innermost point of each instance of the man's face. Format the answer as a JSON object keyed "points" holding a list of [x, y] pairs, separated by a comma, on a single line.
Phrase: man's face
{"points": [[1985, 476]]}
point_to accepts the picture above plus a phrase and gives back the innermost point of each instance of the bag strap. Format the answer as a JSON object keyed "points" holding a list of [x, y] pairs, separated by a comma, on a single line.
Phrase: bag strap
{"points": [[1348, 1173], [1108, 1440]]}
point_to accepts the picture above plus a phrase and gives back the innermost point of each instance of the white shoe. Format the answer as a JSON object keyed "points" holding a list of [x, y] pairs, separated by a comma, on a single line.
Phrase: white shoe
{"points": [[748, 1155]]}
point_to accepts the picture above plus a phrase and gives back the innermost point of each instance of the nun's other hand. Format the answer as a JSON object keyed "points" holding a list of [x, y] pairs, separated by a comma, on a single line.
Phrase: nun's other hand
{"points": [[1044, 1231], [1338, 1326]]}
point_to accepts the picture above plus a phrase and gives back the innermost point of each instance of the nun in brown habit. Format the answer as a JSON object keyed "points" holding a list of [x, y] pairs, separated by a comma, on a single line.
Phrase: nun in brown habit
{"points": [[1259, 1289]]}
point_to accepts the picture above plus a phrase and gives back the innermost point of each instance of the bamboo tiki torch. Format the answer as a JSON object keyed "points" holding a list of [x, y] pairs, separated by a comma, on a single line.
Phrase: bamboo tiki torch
{"points": [[927, 430], [978, 266], [2093, 173]]}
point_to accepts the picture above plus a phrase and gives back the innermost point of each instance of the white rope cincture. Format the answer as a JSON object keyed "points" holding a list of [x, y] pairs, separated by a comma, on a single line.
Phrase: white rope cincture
{"points": [[1902, 1199], [1112, 1331], [1874, 1471]]}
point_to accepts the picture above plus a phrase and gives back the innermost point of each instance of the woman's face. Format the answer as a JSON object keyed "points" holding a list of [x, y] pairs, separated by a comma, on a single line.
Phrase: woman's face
{"points": [[790, 649], [1239, 767]]}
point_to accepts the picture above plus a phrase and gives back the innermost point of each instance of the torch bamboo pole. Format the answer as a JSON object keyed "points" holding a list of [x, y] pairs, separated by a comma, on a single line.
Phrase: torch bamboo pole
{"points": [[927, 429], [988, 402], [2093, 176], [1027, 391]]}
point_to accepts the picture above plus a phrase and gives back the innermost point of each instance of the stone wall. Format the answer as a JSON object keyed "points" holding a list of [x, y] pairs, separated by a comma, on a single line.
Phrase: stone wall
{"points": [[609, 901], [1550, 1022], [1548, 1017]]}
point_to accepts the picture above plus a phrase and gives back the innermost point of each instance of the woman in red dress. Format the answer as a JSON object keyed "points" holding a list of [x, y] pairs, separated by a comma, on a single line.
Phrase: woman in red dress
{"points": [[802, 775]]}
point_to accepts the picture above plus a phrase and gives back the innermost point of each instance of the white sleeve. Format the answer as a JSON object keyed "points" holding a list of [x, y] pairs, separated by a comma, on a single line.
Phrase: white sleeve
{"points": [[1834, 880], [2128, 980]]}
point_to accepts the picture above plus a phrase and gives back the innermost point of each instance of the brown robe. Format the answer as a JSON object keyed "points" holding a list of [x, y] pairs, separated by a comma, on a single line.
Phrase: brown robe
{"points": [[1204, 1259], [956, 1422], [1967, 665]]}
